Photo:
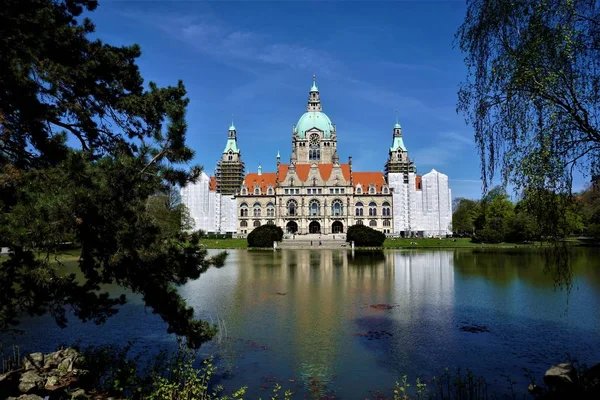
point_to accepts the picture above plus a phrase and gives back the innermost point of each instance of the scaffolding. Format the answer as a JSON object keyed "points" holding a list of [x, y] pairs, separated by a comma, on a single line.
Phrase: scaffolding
{"points": [[229, 176], [404, 167]]}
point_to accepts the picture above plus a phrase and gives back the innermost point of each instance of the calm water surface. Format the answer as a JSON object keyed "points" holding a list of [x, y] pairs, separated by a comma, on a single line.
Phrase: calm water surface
{"points": [[300, 316]]}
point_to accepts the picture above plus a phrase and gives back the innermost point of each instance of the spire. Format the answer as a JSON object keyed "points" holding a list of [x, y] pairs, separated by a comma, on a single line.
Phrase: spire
{"points": [[259, 169], [314, 87], [231, 140], [314, 100], [232, 127], [398, 142], [397, 126]]}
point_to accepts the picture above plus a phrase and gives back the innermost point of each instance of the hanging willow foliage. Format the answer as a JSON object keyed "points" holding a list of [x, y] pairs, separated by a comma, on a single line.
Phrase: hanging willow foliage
{"points": [[532, 95]]}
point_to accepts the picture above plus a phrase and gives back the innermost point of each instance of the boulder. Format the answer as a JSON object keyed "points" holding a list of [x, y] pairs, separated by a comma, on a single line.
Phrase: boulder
{"points": [[561, 378], [34, 361], [30, 380], [78, 394], [62, 359], [52, 380], [26, 397]]}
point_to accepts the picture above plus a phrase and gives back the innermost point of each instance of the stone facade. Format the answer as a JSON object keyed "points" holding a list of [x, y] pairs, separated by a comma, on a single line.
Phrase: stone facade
{"points": [[315, 198]]}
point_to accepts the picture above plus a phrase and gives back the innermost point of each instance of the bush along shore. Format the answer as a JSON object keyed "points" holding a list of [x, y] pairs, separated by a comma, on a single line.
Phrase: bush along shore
{"points": [[110, 373]]}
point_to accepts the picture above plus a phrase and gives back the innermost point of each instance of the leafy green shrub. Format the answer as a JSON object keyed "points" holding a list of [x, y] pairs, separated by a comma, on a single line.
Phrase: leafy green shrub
{"points": [[364, 236], [264, 236], [488, 235]]}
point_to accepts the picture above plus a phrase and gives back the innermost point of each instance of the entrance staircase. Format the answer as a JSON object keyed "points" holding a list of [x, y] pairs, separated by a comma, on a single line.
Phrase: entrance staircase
{"points": [[311, 241]]}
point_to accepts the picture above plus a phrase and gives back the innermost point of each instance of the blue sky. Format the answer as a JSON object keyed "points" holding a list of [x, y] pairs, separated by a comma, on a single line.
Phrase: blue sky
{"points": [[255, 60]]}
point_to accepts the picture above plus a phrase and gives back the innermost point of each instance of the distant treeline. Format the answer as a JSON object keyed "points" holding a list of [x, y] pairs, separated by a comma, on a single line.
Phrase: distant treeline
{"points": [[495, 218]]}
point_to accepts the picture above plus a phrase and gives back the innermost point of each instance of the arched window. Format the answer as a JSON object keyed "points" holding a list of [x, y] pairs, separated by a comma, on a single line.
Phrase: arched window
{"points": [[292, 207], [257, 209], [270, 222], [270, 191], [372, 189], [244, 191], [337, 208], [387, 211], [359, 209], [359, 222], [256, 223], [256, 190], [373, 223], [386, 222], [243, 210], [314, 155], [270, 210], [372, 209], [386, 190], [314, 208], [358, 190], [244, 224]]}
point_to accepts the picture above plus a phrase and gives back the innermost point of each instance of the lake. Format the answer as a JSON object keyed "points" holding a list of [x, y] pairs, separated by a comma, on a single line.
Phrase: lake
{"points": [[304, 318]]}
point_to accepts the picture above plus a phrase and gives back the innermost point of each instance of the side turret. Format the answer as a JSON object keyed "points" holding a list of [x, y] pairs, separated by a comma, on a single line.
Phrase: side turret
{"points": [[230, 170], [398, 160]]}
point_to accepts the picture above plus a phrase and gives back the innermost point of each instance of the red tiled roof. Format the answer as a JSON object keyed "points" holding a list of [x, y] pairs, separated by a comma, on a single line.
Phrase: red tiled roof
{"points": [[264, 180], [302, 171], [367, 178], [212, 184]]}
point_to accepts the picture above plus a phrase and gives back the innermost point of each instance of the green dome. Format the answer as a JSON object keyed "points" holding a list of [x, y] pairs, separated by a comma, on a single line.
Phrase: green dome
{"points": [[314, 119]]}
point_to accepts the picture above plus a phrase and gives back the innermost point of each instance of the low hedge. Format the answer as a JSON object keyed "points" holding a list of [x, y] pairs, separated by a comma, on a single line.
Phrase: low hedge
{"points": [[264, 236], [363, 236]]}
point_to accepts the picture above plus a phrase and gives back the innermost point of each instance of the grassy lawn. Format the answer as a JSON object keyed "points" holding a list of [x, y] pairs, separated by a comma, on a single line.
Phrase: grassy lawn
{"points": [[225, 243], [65, 256], [437, 243]]}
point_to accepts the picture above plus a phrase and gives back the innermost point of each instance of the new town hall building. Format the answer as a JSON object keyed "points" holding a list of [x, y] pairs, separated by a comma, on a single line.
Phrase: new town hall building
{"points": [[316, 193]]}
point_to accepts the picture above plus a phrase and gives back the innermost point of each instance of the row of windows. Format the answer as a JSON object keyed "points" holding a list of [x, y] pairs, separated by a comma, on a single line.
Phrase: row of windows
{"points": [[256, 224], [271, 192], [257, 191], [372, 190], [373, 223], [314, 207], [386, 211]]}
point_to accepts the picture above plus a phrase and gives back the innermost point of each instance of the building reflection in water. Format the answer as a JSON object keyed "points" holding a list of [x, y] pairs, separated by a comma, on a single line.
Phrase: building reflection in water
{"points": [[304, 304]]}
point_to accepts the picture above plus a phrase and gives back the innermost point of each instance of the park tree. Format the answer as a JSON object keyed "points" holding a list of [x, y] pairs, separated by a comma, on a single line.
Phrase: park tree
{"points": [[465, 215], [496, 210], [532, 95], [86, 152], [589, 203]]}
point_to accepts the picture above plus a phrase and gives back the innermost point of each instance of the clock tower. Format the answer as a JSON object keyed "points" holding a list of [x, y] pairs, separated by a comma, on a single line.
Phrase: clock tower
{"points": [[314, 136]]}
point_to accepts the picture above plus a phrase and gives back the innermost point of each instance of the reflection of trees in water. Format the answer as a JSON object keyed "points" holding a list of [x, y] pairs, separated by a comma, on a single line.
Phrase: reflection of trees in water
{"points": [[502, 266], [365, 257]]}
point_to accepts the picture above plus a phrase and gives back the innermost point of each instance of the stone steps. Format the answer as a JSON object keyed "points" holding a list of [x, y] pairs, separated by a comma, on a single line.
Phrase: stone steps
{"points": [[303, 243]]}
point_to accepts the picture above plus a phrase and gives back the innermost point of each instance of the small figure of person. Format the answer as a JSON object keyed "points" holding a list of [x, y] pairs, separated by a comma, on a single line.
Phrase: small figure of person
{"points": [[319, 242]]}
